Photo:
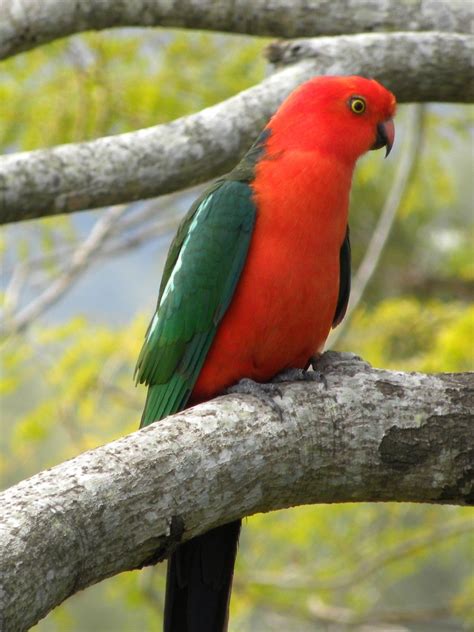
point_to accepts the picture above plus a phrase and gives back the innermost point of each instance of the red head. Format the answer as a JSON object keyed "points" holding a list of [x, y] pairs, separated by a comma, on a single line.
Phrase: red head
{"points": [[341, 116]]}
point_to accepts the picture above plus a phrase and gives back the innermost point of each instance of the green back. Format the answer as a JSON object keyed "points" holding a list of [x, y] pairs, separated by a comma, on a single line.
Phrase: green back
{"points": [[201, 273]]}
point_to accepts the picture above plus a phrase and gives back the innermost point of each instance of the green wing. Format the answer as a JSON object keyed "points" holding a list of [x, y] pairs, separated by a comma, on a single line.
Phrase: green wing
{"points": [[201, 273]]}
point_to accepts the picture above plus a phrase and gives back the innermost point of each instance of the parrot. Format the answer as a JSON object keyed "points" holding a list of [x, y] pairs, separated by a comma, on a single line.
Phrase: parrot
{"points": [[255, 278]]}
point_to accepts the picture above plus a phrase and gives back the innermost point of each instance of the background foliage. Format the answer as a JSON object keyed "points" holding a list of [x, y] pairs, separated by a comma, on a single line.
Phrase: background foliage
{"points": [[66, 380]]}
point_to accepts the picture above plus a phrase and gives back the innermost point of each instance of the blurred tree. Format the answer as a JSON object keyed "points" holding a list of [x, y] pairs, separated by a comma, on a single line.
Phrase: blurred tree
{"points": [[313, 568]]}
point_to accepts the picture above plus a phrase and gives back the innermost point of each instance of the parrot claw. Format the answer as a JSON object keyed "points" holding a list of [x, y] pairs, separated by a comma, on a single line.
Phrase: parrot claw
{"points": [[265, 392], [299, 375], [290, 375], [317, 376]]}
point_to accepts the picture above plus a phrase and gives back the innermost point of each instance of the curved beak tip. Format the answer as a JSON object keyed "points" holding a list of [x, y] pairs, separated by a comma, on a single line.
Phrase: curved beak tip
{"points": [[385, 136], [390, 135]]}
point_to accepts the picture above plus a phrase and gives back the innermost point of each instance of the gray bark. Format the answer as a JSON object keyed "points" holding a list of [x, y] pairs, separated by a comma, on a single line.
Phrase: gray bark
{"points": [[365, 435], [195, 148], [25, 24]]}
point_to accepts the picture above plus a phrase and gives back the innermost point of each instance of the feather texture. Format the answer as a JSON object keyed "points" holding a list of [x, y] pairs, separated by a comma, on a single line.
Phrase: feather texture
{"points": [[207, 256]]}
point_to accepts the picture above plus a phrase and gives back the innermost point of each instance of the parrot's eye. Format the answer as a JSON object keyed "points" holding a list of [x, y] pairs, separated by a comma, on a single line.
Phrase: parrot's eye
{"points": [[357, 105]]}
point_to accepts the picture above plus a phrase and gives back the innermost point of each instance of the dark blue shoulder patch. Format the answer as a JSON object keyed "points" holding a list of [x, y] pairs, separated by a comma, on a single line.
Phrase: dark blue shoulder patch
{"points": [[344, 280]]}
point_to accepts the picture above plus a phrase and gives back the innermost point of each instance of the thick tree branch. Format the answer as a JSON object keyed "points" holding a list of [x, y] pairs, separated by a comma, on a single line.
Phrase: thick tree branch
{"points": [[25, 24], [367, 435], [195, 148]]}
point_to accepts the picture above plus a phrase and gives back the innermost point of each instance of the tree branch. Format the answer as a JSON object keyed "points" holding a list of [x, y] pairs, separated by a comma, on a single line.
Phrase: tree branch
{"points": [[81, 259], [108, 237], [28, 23], [369, 435], [195, 148]]}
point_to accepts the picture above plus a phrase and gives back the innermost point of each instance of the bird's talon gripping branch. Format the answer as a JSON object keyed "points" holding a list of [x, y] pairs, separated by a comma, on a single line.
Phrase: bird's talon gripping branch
{"points": [[317, 376], [265, 392], [300, 375], [290, 375], [313, 361]]}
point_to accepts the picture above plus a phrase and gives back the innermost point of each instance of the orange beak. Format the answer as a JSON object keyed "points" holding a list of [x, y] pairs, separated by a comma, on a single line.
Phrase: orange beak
{"points": [[385, 136]]}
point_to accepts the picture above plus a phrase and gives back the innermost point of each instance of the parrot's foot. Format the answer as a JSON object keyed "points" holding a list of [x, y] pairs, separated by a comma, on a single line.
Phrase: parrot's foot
{"points": [[301, 375], [265, 392]]}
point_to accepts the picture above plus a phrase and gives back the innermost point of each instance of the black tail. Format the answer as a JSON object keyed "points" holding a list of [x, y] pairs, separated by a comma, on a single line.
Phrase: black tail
{"points": [[200, 580]]}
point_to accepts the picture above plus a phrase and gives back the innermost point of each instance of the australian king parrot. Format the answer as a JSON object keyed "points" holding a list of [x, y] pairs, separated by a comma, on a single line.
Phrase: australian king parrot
{"points": [[257, 274]]}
